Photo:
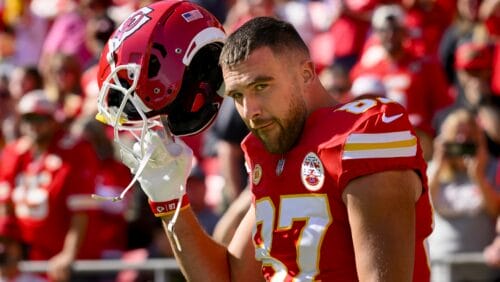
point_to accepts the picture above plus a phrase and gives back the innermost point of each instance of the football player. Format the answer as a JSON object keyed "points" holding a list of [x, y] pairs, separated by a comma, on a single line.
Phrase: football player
{"points": [[339, 191]]}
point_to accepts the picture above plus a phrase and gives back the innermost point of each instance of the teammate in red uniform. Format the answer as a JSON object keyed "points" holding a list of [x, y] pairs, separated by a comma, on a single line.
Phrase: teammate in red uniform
{"points": [[339, 192]]}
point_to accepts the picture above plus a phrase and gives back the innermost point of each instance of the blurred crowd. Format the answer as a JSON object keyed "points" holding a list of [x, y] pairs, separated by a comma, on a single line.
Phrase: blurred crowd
{"points": [[439, 58]]}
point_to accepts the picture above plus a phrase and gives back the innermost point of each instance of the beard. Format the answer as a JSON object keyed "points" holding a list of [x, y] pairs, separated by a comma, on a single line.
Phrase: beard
{"points": [[288, 130]]}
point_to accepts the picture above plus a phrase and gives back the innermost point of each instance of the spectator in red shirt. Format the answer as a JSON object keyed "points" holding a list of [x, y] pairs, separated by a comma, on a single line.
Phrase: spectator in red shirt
{"points": [[473, 64], [489, 12], [418, 83], [49, 177], [350, 29], [108, 225], [463, 28], [426, 21]]}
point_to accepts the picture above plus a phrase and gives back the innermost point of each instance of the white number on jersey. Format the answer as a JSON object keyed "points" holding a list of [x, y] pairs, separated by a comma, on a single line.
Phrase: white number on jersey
{"points": [[314, 210], [363, 105]]}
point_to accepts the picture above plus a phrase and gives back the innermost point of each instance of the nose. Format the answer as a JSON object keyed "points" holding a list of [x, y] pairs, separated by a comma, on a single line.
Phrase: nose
{"points": [[252, 107]]}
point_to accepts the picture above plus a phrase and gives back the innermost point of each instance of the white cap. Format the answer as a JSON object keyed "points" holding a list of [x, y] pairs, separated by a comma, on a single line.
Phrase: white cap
{"points": [[36, 102], [368, 85], [384, 12]]}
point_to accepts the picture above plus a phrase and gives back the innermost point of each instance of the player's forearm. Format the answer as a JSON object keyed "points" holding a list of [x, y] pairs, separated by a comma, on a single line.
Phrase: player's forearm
{"points": [[200, 257]]}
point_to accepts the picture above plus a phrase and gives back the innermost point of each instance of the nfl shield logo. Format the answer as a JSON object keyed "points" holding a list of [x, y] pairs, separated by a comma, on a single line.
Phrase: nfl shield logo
{"points": [[312, 172]]}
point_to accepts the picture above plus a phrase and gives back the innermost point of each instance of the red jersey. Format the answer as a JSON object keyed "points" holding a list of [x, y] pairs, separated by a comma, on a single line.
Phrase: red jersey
{"points": [[349, 33], [302, 229], [46, 191], [426, 28], [416, 83], [108, 226]]}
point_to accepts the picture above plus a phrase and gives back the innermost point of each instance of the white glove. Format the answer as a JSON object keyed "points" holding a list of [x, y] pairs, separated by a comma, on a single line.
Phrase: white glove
{"points": [[166, 170]]}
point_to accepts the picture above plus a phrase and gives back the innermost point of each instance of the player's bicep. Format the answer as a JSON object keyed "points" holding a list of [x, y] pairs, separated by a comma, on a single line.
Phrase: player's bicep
{"points": [[381, 212], [242, 261]]}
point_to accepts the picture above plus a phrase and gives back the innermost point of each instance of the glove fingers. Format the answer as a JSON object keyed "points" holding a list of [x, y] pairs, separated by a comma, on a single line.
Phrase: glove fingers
{"points": [[167, 147], [129, 160]]}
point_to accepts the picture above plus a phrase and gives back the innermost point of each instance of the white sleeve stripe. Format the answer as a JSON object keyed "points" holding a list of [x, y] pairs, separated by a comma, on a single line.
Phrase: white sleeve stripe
{"points": [[379, 137], [380, 153]]}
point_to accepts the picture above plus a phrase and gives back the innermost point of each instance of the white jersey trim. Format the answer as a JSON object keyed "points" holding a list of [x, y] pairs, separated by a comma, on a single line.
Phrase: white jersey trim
{"points": [[380, 145]]}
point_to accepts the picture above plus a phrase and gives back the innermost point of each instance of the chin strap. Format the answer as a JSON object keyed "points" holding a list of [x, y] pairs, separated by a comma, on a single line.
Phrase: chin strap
{"points": [[173, 220]]}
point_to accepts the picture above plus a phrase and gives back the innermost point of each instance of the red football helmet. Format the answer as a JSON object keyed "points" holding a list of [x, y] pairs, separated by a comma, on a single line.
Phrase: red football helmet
{"points": [[162, 60]]}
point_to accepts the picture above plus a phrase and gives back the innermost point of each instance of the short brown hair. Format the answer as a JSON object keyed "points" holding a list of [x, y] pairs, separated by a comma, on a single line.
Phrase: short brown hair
{"points": [[278, 35]]}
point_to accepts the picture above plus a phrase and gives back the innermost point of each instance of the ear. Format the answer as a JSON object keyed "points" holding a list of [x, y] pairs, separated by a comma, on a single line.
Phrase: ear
{"points": [[308, 72]]}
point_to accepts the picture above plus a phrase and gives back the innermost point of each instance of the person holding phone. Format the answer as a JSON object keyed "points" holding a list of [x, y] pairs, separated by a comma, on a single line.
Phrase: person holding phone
{"points": [[465, 198]]}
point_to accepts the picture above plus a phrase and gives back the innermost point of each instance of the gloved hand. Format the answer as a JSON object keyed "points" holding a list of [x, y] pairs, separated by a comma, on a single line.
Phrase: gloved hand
{"points": [[166, 170]]}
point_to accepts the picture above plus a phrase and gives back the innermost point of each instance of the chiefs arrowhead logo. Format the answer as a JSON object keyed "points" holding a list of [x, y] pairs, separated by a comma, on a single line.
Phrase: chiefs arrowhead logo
{"points": [[160, 209], [133, 23]]}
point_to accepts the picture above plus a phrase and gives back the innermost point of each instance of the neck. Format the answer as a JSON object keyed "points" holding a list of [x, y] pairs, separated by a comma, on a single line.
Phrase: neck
{"points": [[319, 98]]}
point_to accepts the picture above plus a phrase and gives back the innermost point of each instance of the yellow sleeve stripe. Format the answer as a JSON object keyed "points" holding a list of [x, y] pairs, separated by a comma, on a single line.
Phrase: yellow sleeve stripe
{"points": [[385, 145], [380, 145]]}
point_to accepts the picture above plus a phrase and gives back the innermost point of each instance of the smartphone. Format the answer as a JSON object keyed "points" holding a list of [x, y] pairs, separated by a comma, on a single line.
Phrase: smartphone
{"points": [[453, 149]]}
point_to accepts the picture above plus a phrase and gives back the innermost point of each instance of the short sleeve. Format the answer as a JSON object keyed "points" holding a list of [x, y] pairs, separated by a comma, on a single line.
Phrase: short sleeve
{"points": [[385, 140]]}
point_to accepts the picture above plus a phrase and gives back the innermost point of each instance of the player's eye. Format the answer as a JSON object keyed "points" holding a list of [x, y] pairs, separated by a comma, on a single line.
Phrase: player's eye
{"points": [[235, 95], [260, 86]]}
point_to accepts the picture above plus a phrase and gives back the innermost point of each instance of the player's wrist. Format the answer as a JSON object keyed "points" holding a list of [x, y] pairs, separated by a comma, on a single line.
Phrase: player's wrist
{"points": [[168, 207]]}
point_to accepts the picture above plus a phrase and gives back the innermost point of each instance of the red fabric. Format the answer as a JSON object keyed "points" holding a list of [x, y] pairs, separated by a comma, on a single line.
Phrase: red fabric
{"points": [[473, 56], [426, 28], [107, 225], [322, 50], [361, 5], [9, 228], [493, 24], [495, 82], [89, 82], [349, 35], [304, 193]]}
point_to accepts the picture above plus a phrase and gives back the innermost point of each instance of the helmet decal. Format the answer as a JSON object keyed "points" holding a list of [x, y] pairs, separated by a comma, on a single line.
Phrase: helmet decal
{"points": [[192, 15], [133, 23]]}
